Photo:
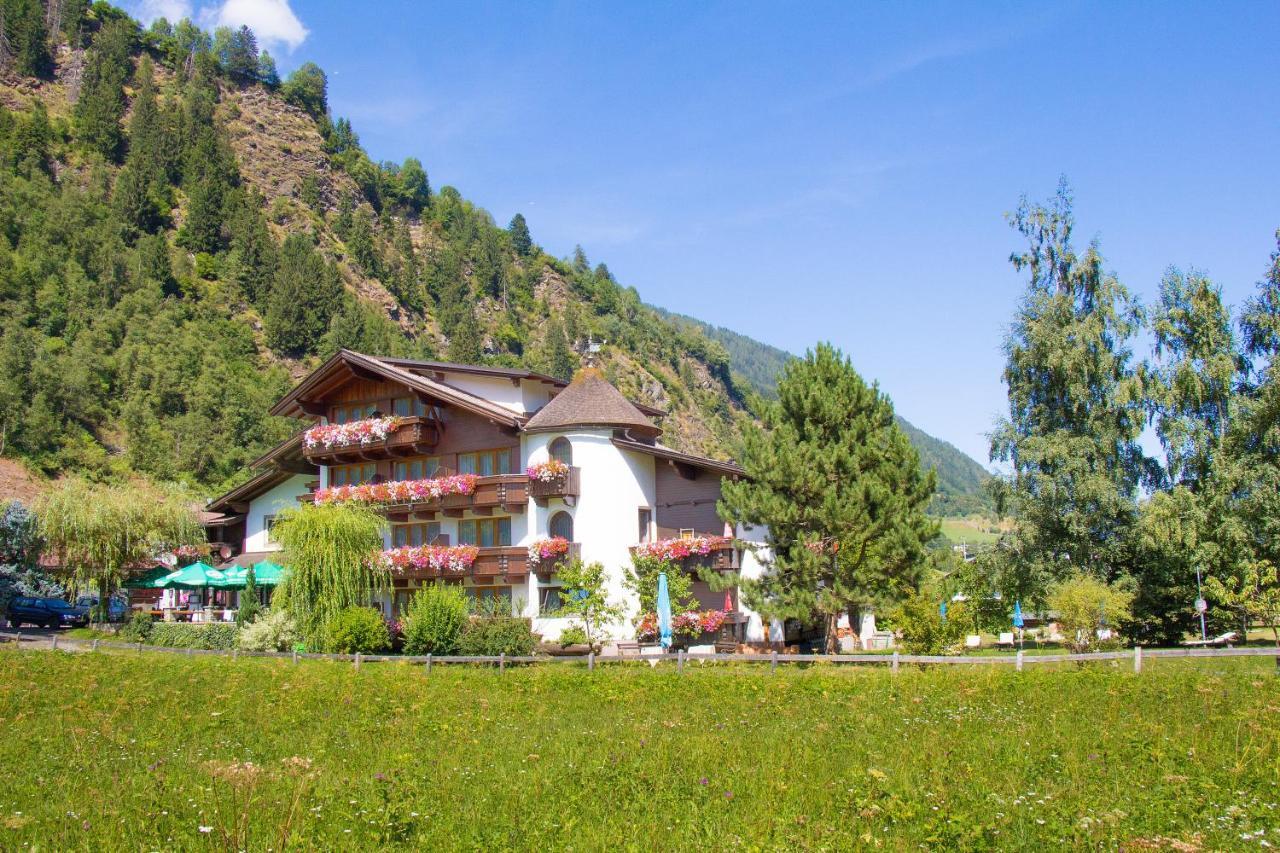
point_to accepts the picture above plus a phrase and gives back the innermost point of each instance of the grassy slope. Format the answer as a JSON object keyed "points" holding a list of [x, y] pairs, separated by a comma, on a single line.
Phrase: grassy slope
{"points": [[557, 757]]}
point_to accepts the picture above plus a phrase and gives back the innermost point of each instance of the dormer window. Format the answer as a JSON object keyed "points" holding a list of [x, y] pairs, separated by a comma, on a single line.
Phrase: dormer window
{"points": [[408, 407]]}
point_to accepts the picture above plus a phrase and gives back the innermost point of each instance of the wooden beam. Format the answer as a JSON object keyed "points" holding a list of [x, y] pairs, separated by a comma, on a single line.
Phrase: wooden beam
{"points": [[363, 373], [315, 408], [425, 515], [453, 513]]}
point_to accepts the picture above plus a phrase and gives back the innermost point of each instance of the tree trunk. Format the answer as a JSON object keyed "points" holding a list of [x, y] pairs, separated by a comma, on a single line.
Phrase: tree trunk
{"points": [[832, 644]]}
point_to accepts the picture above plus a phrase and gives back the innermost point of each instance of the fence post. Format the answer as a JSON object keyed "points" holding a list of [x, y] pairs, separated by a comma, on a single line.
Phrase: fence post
{"points": [[356, 660], [895, 662], [295, 655], [190, 651], [680, 661], [502, 662], [235, 654], [1018, 663], [428, 664], [591, 660], [139, 647], [95, 646], [773, 662], [1137, 658], [55, 642]]}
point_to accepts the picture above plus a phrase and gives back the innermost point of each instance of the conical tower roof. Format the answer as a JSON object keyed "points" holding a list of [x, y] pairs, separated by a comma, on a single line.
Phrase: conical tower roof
{"points": [[590, 401]]}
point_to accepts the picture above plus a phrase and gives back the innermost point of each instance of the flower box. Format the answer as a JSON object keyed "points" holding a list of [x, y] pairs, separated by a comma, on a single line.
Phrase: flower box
{"points": [[432, 560], [718, 548], [362, 432], [401, 491]]}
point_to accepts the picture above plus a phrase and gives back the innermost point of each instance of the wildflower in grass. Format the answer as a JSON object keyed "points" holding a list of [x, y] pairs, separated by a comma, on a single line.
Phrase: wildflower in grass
{"points": [[206, 829], [704, 781]]}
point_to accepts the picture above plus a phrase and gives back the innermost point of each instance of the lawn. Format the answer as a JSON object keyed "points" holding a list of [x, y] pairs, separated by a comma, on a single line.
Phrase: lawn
{"points": [[126, 751], [974, 530]]}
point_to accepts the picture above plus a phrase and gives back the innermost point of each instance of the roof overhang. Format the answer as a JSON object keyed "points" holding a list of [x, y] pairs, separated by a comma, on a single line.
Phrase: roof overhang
{"points": [[237, 500], [724, 469], [304, 400]]}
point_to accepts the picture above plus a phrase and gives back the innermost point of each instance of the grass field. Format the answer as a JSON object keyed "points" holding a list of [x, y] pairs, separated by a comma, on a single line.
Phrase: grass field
{"points": [[139, 752], [973, 530]]}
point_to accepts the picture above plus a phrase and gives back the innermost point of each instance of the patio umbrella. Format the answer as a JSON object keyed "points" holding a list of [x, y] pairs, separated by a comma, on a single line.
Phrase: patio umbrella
{"points": [[664, 612], [150, 579], [264, 574], [195, 576], [1017, 614], [942, 610], [728, 601]]}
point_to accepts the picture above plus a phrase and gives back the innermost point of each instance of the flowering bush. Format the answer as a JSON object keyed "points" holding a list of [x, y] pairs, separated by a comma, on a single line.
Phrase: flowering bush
{"points": [[547, 472], [441, 558], [548, 549], [688, 624], [400, 491], [366, 431], [678, 549]]}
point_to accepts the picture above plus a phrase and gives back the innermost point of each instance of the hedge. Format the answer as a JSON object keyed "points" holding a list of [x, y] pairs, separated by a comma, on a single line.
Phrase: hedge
{"points": [[182, 635]]}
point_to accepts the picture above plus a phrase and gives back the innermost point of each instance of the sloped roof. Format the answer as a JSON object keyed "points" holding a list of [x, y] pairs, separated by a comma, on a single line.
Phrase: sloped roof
{"points": [[590, 401], [726, 469]]}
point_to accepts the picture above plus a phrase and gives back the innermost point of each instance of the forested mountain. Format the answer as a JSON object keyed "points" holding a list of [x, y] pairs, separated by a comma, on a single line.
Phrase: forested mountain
{"points": [[961, 480], [184, 234]]}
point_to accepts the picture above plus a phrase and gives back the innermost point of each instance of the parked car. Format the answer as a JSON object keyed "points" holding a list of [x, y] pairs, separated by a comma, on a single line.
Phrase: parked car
{"points": [[117, 607], [49, 612]]}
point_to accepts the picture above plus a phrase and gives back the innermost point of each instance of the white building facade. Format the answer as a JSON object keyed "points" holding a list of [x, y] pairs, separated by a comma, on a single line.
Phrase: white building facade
{"points": [[620, 488]]}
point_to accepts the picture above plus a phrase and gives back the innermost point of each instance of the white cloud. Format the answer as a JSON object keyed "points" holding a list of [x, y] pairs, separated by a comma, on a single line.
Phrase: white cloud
{"points": [[173, 11], [272, 21]]}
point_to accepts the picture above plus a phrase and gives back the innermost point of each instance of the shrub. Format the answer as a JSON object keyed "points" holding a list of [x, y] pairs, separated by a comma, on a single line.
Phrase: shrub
{"points": [[274, 631], [137, 629], [357, 630], [181, 635], [924, 631], [1085, 604], [435, 620], [496, 635], [574, 635]]}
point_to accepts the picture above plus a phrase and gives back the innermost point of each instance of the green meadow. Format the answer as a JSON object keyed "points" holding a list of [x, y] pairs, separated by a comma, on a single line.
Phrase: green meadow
{"points": [[107, 751]]}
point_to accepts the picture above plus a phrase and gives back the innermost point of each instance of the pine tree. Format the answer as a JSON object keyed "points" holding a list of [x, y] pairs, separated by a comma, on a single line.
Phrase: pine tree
{"points": [[415, 189], [101, 105], [22, 29], [1076, 410], [253, 251], [307, 88], [465, 346], [839, 486], [267, 73], [202, 230], [580, 263], [304, 296], [560, 360], [521, 242], [361, 245]]}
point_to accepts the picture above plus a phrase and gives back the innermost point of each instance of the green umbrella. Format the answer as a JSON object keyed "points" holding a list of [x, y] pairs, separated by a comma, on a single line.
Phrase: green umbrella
{"points": [[264, 574], [196, 575], [150, 579]]}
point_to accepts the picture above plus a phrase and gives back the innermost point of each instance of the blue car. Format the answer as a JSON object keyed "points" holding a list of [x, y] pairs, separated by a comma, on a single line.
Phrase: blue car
{"points": [[49, 612], [117, 608]]}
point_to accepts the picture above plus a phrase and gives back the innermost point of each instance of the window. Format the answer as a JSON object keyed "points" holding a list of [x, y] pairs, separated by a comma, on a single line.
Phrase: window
{"points": [[407, 406], [490, 599], [561, 449], [687, 533], [562, 525], [343, 414], [645, 522], [268, 524], [415, 469], [352, 475], [414, 534], [485, 532], [549, 601], [485, 462]]}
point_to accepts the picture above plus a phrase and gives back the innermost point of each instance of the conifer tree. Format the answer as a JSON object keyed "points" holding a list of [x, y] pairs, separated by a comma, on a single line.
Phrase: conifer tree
{"points": [[308, 88], [101, 104], [839, 486], [560, 360], [304, 296], [253, 251], [267, 73], [23, 32], [360, 243], [465, 345], [521, 242]]}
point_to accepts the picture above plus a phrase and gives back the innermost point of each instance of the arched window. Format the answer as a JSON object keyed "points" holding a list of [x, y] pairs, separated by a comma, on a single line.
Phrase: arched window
{"points": [[562, 525], [561, 449]]}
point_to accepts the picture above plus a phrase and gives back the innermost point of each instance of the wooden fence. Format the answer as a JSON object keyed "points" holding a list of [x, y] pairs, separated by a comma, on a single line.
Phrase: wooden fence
{"points": [[894, 661]]}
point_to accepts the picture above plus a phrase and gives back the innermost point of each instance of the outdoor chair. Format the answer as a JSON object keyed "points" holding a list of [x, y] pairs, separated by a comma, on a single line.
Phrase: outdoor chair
{"points": [[1221, 640], [973, 641], [1006, 639]]}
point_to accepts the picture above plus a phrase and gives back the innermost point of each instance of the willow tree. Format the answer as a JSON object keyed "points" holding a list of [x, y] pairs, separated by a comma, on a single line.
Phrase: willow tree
{"points": [[104, 534], [332, 553], [839, 486]]}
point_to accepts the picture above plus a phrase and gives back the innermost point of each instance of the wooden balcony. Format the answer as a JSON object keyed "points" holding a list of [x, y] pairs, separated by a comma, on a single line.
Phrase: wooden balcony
{"points": [[723, 557], [567, 487], [507, 492], [546, 568], [414, 436], [500, 563]]}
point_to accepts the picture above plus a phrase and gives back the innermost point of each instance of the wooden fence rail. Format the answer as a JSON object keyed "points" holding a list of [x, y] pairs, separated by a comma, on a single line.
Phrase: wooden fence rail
{"points": [[894, 661]]}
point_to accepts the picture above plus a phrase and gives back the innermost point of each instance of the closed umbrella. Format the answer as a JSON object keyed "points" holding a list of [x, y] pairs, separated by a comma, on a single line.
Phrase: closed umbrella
{"points": [[664, 612], [942, 610], [1017, 619]]}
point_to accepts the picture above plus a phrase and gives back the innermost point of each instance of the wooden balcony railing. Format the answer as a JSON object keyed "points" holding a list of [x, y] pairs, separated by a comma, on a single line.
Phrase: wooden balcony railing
{"points": [[413, 436], [544, 569], [722, 556], [567, 487], [508, 492]]}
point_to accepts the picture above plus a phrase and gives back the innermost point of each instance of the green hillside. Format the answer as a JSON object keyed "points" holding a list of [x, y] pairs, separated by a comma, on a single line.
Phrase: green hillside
{"points": [[757, 365]]}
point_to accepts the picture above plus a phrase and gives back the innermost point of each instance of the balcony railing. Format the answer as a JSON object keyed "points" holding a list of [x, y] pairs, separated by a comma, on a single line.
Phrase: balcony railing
{"points": [[721, 553], [567, 486], [413, 435], [545, 568], [506, 562], [508, 492]]}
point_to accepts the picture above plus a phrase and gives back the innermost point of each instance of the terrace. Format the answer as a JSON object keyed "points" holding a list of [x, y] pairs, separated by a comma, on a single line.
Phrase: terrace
{"points": [[372, 439]]}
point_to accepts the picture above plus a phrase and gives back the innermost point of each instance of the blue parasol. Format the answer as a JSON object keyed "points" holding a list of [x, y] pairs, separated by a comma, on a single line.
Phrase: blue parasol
{"points": [[1017, 614], [942, 610], [664, 612]]}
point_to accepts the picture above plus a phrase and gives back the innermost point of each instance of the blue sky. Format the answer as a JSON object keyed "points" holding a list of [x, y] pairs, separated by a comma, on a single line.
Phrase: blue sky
{"points": [[806, 172]]}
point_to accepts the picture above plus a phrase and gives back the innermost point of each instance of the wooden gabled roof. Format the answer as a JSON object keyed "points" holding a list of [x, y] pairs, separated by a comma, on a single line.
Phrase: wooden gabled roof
{"points": [[590, 401], [346, 364], [726, 469]]}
